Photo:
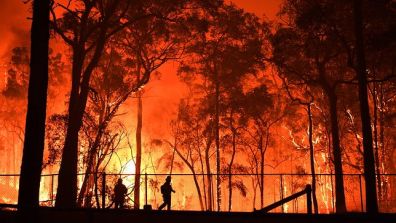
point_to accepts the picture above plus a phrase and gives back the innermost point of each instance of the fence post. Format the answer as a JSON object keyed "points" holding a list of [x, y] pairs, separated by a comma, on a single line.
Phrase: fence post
{"points": [[103, 190], [145, 187], [308, 190]]}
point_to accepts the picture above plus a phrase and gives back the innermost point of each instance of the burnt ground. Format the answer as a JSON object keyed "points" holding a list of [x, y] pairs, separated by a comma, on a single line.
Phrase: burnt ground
{"points": [[52, 215]]}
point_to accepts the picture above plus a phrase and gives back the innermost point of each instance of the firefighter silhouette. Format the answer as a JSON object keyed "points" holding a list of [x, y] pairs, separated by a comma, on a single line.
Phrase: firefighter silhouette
{"points": [[166, 191], [120, 192]]}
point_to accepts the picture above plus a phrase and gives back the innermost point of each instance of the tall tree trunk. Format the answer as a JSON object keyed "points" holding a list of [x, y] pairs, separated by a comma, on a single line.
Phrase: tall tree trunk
{"points": [[369, 164], [254, 193], [209, 176], [312, 158], [201, 204], [67, 181], [201, 161], [339, 180], [138, 150], [330, 92], [217, 141], [93, 152], [231, 164], [382, 142], [375, 131], [191, 167], [261, 184], [33, 148]]}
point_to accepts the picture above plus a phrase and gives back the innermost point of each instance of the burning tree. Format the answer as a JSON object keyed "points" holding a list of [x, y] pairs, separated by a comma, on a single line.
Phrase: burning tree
{"points": [[86, 27], [226, 48], [148, 45]]}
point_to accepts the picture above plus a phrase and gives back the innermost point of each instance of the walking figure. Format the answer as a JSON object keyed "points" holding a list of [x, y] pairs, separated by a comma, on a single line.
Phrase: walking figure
{"points": [[120, 192], [166, 190]]}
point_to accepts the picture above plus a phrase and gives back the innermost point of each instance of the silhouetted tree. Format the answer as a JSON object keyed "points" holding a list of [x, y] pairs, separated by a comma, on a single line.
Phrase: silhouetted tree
{"points": [[369, 164], [308, 104], [149, 44], [356, 39], [109, 91], [380, 51], [29, 184], [234, 119], [306, 58], [192, 141], [87, 29], [87, 36], [263, 112], [225, 48]]}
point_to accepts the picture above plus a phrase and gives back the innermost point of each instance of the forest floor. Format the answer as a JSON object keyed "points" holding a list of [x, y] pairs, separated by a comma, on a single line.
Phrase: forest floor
{"points": [[52, 215]]}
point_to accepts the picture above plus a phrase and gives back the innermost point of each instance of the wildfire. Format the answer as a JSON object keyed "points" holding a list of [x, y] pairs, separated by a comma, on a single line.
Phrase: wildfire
{"points": [[257, 141], [285, 206]]}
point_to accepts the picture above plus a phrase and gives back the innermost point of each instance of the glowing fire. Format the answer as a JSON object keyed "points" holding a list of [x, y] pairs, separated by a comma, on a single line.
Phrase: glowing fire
{"points": [[285, 206], [164, 101], [129, 168]]}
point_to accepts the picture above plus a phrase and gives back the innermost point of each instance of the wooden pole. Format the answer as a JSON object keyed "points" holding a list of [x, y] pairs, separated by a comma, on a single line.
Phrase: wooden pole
{"points": [[308, 190]]}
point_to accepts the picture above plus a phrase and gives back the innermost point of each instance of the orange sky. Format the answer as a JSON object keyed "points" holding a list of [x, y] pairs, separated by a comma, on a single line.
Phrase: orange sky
{"points": [[162, 96], [269, 8], [14, 30], [14, 22]]}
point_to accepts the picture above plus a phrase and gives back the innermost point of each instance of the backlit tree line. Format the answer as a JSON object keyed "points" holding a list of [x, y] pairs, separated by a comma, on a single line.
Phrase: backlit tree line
{"points": [[319, 79]]}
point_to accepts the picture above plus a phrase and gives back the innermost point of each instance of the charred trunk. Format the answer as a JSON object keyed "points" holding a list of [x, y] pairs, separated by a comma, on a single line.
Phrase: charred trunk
{"points": [[217, 142], [337, 154], [230, 166], [209, 177], [201, 204], [138, 151], [67, 180], [90, 165], [312, 158], [261, 181], [369, 164], [330, 91], [29, 184], [376, 146], [66, 196]]}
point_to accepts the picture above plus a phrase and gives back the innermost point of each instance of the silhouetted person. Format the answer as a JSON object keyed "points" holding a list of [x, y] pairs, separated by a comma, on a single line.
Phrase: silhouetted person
{"points": [[166, 190], [120, 192]]}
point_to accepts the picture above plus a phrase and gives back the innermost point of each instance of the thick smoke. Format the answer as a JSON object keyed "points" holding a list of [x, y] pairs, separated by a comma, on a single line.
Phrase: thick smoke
{"points": [[14, 30]]}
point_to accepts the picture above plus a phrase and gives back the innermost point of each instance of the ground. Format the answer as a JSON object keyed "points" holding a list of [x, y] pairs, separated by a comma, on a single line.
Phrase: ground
{"points": [[52, 215]]}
